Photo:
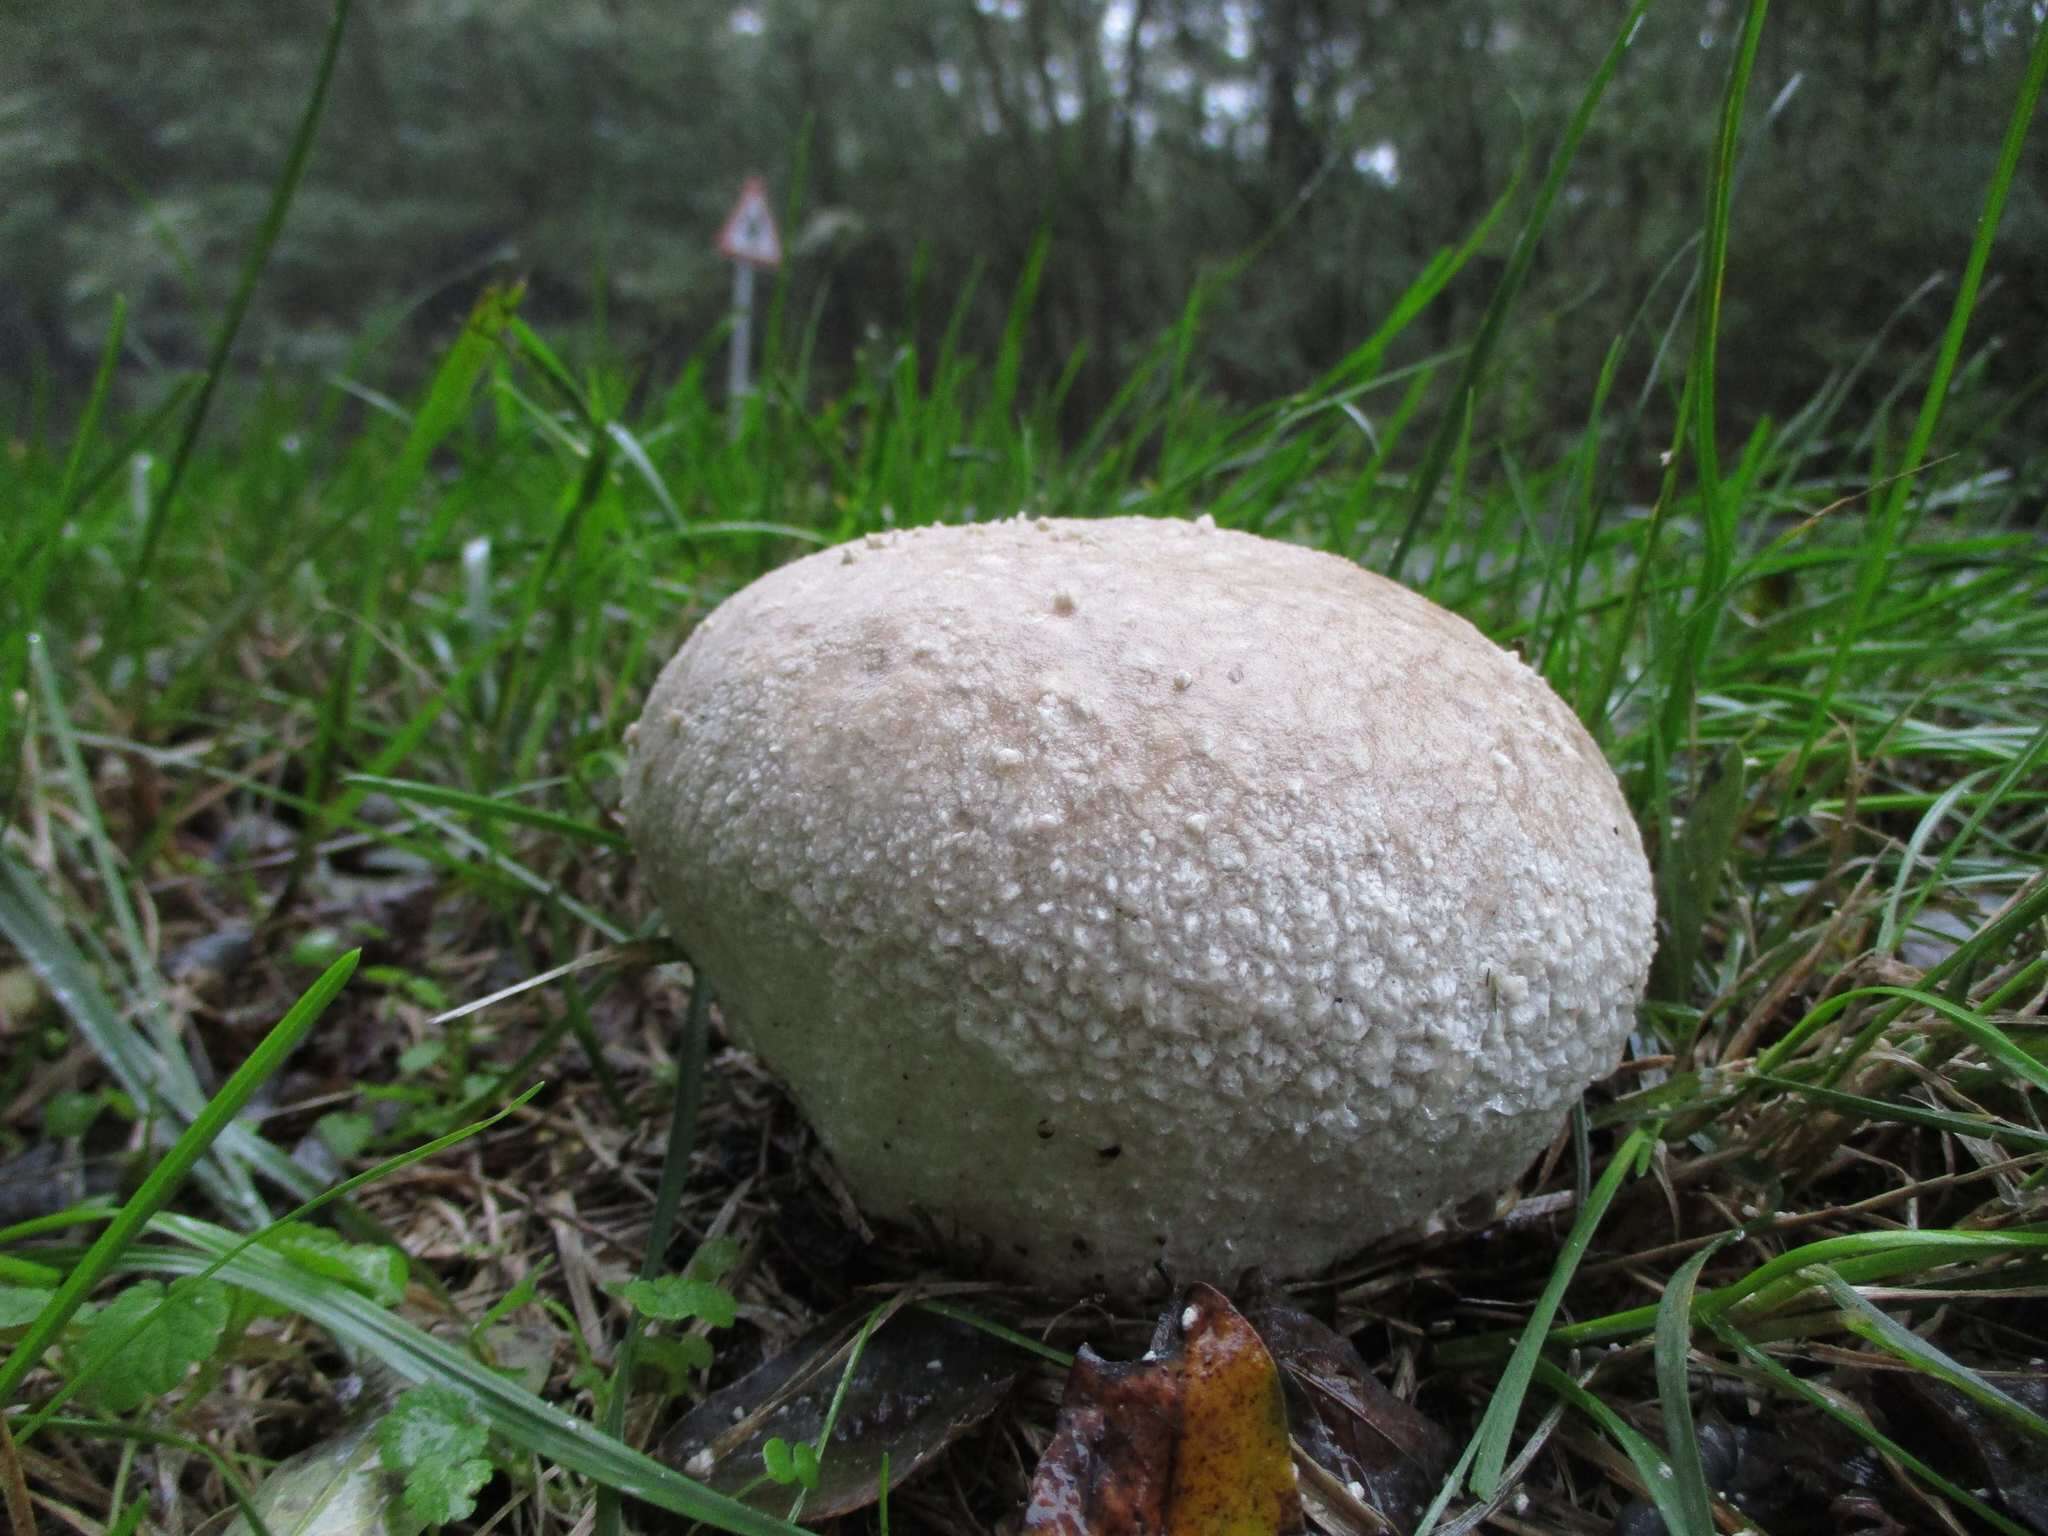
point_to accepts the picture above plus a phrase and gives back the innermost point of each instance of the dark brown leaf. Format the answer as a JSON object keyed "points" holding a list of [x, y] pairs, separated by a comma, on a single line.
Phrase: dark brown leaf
{"points": [[1391, 1456], [1809, 1478], [922, 1381], [1984, 1449]]}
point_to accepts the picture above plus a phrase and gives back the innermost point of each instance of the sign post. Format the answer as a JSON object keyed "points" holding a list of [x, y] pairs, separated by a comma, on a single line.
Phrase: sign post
{"points": [[748, 240]]}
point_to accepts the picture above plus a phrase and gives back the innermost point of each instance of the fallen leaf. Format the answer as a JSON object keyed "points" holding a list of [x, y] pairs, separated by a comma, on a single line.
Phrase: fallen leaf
{"points": [[1782, 1481], [1109, 1465], [337, 1488], [1988, 1450], [1389, 1455], [1234, 1474], [922, 1381], [1189, 1441]]}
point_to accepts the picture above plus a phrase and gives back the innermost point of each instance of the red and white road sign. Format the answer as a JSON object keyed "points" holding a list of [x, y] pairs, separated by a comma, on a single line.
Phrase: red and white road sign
{"points": [[748, 234]]}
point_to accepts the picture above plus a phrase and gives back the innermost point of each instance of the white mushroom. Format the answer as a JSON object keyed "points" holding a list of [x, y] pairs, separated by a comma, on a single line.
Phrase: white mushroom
{"points": [[1132, 893]]}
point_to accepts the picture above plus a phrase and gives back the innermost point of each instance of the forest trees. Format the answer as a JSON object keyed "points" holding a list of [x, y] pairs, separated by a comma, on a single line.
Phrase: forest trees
{"points": [[923, 145]]}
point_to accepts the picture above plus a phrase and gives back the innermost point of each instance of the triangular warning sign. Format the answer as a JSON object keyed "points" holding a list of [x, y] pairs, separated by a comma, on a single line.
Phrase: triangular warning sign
{"points": [[749, 232]]}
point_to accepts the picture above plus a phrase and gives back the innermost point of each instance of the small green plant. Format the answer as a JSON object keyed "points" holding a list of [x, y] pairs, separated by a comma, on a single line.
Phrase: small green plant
{"points": [[422, 990], [19, 1305], [376, 1270], [694, 1296], [438, 1083], [345, 1132], [144, 1342], [791, 1465], [433, 1437], [75, 1112]]}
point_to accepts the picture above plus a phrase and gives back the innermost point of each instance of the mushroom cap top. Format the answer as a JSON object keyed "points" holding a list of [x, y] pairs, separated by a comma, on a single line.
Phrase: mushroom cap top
{"points": [[1126, 892]]}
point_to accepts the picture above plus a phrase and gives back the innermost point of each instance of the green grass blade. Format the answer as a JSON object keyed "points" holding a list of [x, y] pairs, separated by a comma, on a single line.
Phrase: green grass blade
{"points": [[1557, 657], [2018, 772], [490, 808], [1689, 874], [1010, 352], [1964, 1019], [336, 1195], [153, 1072], [576, 503], [996, 1330], [1884, 1111], [1892, 1336], [447, 403], [33, 928], [88, 424], [1497, 1426], [553, 371], [231, 323], [32, 568], [169, 1173], [1891, 927], [1714, 268], [1674, 1395], [144, 432], [1599, 703], [668, 1197], [156, 1073], [550, 890], [1777, 1280], [1718, 511], [822, 1444], [106, 860], [1832, 1405], [1889, 518], [2019, 917], [519, 1417], [1659, 1477], [118, 1429], [1361, 366], [1465, 391], [635, 454]]}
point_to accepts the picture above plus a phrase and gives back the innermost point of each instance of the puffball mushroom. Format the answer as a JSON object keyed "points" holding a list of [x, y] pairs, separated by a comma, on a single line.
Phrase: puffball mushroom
{"points": [[1127, 894]]}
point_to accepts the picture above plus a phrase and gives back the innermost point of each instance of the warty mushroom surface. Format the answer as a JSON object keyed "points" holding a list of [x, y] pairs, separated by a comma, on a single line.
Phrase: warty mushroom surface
{"points": [[1132, 897]]}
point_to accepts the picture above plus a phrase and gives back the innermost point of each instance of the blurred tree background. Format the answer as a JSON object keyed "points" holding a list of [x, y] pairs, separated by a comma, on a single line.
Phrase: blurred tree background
{"points": [[1318, 150]]}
